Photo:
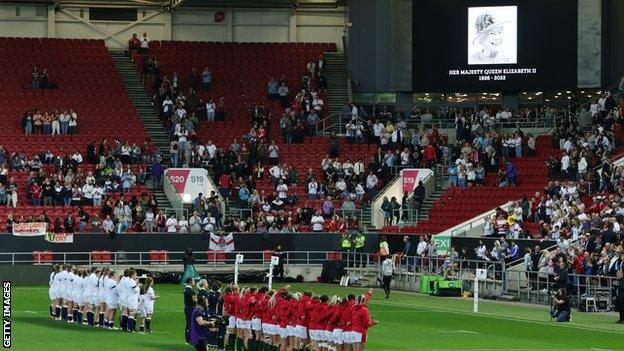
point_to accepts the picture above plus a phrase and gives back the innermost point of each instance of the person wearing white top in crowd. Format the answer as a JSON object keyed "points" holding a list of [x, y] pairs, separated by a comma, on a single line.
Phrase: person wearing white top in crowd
{"points": [[77, 157], [211, 110], [98, 191], [183, 225], [565, 164], [148, 222], [317, 222], [282, 190], [172, 224], [211, 149], [312, 189], [481, 250], [145, 40], [167, 107]]}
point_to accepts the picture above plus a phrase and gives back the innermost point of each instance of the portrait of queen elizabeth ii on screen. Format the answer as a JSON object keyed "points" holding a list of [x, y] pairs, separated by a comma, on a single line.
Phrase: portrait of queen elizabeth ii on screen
{"points": [[492, 35]]}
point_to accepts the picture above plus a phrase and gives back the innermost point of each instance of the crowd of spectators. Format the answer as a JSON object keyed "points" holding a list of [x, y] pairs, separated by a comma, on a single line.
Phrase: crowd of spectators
{"points": [[580, 209], [100, 181], [50, 123]]}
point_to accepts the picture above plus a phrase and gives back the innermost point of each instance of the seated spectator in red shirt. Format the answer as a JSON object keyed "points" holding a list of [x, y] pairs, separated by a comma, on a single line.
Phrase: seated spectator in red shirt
{"points": [[134, 44]]}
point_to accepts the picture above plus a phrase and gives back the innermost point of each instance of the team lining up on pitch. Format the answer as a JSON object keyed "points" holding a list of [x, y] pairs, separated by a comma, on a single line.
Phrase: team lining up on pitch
{"points": [[258, 319], [102, 292], [272, 320]]}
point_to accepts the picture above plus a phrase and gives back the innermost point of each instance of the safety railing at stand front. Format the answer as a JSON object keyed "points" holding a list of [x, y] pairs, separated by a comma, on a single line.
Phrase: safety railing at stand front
{"points": [[212, 259], [463, 229], [409, 270], [591, 293]]}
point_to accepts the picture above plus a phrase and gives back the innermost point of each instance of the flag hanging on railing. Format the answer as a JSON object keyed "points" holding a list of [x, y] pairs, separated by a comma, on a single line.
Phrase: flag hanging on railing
{"points": [[222, 242], [30, 229], [59, 238]]}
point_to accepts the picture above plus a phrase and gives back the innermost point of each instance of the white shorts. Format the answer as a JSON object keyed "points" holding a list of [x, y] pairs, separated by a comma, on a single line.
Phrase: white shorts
{"points": [[256, 324], [132, 302], [314, 334], [95, 299], [53, 293], [231, 322], [346, 337], [268, 329], [102, 298], [112, 301], [301, 332], [291, 330], [337, 336], [283, 332], [145, 310], [243, 324], [356, 337]]}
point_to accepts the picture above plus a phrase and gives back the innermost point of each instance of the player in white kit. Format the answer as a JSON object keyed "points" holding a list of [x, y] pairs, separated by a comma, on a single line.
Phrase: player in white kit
{"points": [[147, 305], [112, 299]]}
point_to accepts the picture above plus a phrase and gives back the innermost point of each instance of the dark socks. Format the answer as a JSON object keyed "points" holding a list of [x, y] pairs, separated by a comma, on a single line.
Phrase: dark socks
{"points": [[79, 317], [123, 322], [90, 318], [51, 312], [74, 316], [57, 312], [101, 319], [148, 325], [131, 324]]}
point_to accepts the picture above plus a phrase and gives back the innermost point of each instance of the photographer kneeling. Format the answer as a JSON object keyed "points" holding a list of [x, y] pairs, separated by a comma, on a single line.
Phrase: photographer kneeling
{"points": [[199, 325], [561, 306]]}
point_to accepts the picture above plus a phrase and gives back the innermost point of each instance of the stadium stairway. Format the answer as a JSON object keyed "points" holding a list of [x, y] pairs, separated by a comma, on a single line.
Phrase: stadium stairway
{"points": [[143, 104], [336, 76], [440, 187]]}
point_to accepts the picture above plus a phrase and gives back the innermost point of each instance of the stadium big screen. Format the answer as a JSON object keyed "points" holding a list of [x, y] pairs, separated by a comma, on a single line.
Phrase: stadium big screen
{"points": [[494, 45]]}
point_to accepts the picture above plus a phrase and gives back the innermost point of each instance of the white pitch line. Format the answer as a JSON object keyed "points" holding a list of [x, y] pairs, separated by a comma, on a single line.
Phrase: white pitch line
{"points": [[459, 331], [564, 325]]}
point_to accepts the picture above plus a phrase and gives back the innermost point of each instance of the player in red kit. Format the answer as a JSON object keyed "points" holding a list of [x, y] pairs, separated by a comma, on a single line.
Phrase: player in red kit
{"points": [[361, 321]]}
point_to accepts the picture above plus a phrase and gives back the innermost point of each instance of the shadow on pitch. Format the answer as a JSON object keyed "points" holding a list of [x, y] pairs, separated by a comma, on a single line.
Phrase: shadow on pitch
{"points": [[58, 325]]}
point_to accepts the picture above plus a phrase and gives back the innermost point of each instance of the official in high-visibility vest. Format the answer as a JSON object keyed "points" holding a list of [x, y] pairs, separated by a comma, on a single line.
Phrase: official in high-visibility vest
{"points": [[345, 243], [384, 249], [359, 241]]}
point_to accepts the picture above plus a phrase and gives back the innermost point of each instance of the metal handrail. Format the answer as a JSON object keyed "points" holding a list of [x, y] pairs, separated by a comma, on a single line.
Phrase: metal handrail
{"points": [[174, 198], [143, 257], [464, 227]]}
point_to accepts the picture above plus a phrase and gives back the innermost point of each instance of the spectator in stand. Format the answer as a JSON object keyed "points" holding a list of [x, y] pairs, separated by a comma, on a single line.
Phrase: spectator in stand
{"points": [[35, 78], [206, 79], [283, 92], [272, 87], [144, 40], [193, 79], [134, 44], [317, 222]]}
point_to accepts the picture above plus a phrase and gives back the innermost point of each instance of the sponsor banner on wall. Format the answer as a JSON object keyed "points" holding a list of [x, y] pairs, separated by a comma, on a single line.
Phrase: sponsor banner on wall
{"points": [[30, 229], [59, 238]]}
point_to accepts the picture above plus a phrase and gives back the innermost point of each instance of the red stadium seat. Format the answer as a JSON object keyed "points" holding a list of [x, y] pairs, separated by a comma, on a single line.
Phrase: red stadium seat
{"points": [[96, 256]]}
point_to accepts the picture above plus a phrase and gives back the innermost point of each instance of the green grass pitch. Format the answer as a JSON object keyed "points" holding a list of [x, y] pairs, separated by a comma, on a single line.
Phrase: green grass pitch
{"points": [[408, 322]]}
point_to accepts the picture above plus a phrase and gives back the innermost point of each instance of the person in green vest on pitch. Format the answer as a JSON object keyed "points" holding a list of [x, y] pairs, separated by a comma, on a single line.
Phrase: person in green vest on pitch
{"points": [[346, 245], [358, 242]]}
